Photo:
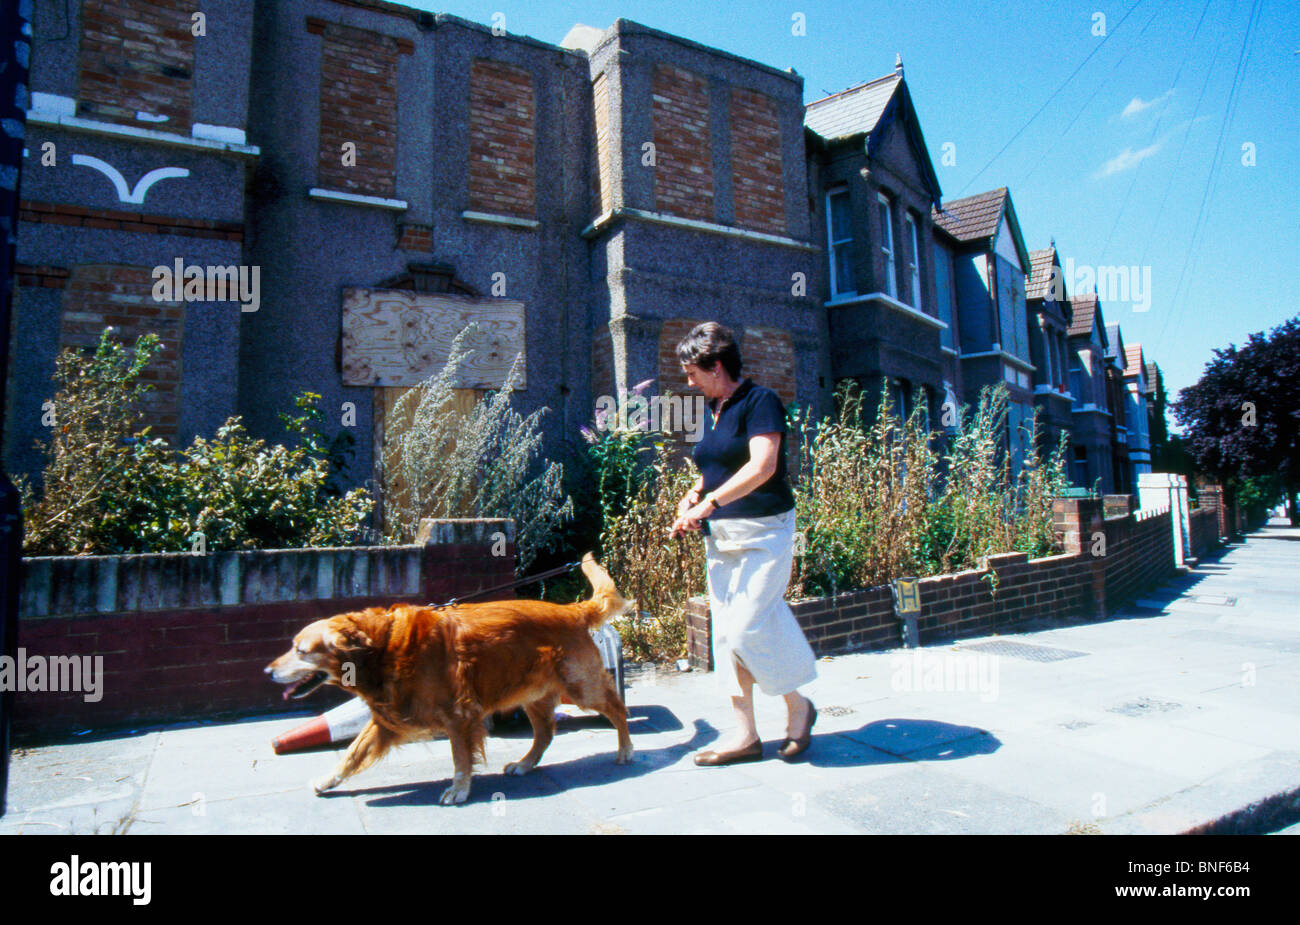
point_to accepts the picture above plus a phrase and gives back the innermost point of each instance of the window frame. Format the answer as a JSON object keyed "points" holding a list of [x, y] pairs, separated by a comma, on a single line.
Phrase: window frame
{"points": [[887, 243], [914, 264], [832, 244]]}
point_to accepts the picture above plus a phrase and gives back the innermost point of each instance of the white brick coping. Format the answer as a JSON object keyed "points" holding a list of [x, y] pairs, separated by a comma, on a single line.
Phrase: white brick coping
{"points": [[886, 299], [355, 199], [68, 586], [605, 219], [492, 218], [52, 110]]}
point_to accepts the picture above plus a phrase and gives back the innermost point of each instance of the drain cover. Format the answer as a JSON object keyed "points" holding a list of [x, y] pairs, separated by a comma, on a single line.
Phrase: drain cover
{"points": [[836, 711], [1023, 650], [1143, 706], [1219, 600]]}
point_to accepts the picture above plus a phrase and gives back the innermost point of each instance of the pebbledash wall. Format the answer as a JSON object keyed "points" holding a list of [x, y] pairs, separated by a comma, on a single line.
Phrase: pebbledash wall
{"points": [[187, 635], [1107, 561]]}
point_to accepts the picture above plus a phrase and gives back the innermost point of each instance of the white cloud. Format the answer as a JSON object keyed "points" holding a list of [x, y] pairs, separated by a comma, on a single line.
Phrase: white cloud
{"points": [[1127, 160], [1137, 104]]}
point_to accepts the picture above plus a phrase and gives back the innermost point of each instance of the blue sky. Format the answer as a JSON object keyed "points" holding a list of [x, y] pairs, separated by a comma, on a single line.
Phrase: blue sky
{"points": [[1123, 146]]}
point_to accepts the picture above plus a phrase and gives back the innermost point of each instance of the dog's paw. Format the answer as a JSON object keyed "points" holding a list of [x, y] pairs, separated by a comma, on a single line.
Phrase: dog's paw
{"points": [[454, 794], [518, 768], [321, 784], [624, 755]]}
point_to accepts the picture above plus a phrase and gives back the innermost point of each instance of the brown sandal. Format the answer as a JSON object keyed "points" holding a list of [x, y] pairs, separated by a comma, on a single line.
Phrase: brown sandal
{"points": [[712, 759], [792, 748]]}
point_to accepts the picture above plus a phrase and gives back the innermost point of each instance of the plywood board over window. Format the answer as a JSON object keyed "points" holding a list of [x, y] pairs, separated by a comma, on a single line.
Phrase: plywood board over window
{"points": [[394, 337]]}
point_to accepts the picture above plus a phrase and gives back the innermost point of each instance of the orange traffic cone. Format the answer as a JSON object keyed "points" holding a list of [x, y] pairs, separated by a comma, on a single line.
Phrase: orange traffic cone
{"points": [[340, 724]]}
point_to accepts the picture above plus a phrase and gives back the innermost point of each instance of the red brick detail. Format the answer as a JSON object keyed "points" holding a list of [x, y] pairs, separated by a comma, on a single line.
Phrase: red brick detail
{"points": [[137, 56], [603, 197], [602, 363], [55, 213], [41, 276], [358, 105], [768, 355], [415, 238], [757, 181], [502, 119], [100, 295], [683, 149]]}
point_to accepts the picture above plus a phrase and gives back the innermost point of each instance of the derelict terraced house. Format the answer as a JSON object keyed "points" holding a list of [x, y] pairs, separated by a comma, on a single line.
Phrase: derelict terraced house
{"points": [[391, 174]]}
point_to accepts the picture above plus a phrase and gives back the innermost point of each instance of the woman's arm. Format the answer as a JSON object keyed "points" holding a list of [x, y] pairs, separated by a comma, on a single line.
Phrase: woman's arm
{"points": [[764, 450]]}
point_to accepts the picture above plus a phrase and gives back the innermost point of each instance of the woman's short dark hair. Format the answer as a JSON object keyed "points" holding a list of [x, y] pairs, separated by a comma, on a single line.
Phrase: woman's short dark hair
{"points": [[709, 344]]}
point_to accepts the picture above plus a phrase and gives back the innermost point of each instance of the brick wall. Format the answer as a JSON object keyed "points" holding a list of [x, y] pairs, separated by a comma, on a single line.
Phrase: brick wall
{"points": [[415, 238], [683, 150], [602, 178], [137, 56], [602, 362], [501, 139], [187, 636], [1010, 591], [1139, 555], [53, 213], [757, 181], [100, 295], [1202, 531], [768, 354], [358, 104]]}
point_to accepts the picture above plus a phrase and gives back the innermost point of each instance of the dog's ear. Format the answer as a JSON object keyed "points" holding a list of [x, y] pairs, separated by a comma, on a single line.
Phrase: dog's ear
{"points": [[347, 637]]}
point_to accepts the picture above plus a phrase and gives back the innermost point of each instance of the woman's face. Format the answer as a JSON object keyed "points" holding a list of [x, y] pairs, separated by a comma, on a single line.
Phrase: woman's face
{"points": [[712, 382]]}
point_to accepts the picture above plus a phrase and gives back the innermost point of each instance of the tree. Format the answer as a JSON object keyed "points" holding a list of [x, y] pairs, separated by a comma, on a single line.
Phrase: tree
{"points": [[1242, 418]]}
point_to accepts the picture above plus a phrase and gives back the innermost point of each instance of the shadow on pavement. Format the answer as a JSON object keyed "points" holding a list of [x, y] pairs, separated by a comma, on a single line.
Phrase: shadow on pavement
{"points": [[641, 719], [894, 740], [591, 770]]}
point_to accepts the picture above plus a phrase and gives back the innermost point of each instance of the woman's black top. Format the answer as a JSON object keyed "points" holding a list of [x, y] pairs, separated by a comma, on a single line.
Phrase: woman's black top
{"points": [[749, 411]]}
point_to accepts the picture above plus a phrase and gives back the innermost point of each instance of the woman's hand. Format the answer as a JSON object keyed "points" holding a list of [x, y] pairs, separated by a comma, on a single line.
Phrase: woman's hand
{"points": [[688, 518], [689, 500]]}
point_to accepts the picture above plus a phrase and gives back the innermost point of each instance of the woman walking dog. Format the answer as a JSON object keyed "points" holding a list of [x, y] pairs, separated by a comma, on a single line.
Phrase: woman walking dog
{"points": [[743, 503]]}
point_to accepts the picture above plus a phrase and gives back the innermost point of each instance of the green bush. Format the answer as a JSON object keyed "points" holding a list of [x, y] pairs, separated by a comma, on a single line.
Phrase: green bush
{"points": [[109, 487]]}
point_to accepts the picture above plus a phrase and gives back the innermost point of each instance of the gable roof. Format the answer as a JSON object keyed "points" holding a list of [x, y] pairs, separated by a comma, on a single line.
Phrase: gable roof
{"points": [[855, 111], [1134, 364], [1115, 344], [1153, 378], [865, 110], [1087, 315], [976, 219], [1040, 275]]}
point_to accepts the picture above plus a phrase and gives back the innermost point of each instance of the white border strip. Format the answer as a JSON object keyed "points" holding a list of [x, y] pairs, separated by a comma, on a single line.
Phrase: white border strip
{"points": [[491, 218], [607, 218], [1009, 357], [94, 127], [886, 299], [355, 199]]}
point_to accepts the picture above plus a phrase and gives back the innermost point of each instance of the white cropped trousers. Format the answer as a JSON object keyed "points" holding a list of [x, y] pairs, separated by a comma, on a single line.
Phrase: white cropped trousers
{"points": [[749, 563]]}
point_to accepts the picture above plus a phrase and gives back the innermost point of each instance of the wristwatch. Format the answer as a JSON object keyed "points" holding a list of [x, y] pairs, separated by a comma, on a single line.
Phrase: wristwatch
{"points": [[713, 500]]}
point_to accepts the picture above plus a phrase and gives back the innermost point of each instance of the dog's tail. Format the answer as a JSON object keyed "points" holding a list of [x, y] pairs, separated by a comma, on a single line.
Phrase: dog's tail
{"points": [[605, 603]]}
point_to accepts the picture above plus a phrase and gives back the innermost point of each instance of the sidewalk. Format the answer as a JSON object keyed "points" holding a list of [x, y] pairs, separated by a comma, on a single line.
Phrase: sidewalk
{"points": [[1183, 711]]}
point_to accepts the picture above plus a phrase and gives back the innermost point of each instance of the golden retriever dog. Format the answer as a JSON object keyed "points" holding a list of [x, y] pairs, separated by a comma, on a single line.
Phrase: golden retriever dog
{"points": [[428, 671]]}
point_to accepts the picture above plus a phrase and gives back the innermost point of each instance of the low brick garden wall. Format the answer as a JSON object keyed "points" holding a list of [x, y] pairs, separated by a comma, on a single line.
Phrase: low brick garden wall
{"points": [[183, 635], [1107, 562]]}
